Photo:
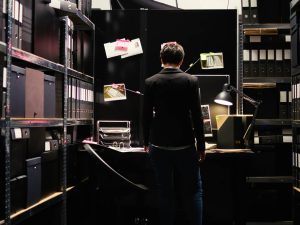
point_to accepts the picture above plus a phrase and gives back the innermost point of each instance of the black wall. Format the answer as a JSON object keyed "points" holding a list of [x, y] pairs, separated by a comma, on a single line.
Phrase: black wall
{"points": [[199, 31]]}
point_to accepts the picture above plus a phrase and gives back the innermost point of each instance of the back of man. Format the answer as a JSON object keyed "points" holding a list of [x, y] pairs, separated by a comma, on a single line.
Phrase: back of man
{"points": [[172, 93], [172, 121]]}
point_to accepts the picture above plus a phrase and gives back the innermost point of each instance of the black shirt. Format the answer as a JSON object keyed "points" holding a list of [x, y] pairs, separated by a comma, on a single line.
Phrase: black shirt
{"points": [[172, 110]]}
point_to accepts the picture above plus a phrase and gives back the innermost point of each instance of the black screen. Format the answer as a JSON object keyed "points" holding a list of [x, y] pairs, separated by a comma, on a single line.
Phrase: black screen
{"points": [[210, 86]]}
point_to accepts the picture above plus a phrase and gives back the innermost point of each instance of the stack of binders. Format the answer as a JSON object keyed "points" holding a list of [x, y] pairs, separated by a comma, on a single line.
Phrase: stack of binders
{"points": [[296, 162], [80, 99], [267, 55], [249, 11]]}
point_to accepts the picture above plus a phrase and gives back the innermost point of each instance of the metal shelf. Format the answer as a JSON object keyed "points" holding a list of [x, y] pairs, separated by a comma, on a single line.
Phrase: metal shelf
{"points": [[36, 60], [270, 179], [36, 122], [273, 122], [281, 26], [79, 122], [79, 75], [44, 203], [80, 21], [44, 63], [275, 80]]}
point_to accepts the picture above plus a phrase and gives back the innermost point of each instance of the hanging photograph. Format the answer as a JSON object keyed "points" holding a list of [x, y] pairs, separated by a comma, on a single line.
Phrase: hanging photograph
{"points": [[114, 92]]}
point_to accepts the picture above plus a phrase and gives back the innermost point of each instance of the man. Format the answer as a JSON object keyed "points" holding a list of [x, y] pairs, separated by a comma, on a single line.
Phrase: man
{"points": [[172, 122]]}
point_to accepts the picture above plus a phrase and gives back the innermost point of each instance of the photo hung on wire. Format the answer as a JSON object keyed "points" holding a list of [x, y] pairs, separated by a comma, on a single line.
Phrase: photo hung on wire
{"points": [[206, 121], [114, 92]]}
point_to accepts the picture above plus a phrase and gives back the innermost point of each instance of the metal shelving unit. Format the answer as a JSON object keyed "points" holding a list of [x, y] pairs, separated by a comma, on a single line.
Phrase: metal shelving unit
{"points": [[260, 180], [81, 22]]}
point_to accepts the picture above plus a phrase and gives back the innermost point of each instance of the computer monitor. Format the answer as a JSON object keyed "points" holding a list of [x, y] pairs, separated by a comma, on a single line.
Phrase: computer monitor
{"points": [[210, 86]]}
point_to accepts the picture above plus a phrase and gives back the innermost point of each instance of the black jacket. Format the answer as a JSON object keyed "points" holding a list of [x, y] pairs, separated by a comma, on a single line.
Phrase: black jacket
{"points": [[172, 110]]}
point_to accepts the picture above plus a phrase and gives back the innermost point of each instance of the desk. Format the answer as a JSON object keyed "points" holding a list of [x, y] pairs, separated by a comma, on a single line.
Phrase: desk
{"points": [[224, 183], [223, 174]]}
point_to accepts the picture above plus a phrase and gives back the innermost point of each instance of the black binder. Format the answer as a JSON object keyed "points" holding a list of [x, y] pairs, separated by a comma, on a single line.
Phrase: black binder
{"points": [[289, 106], [246, 11], [253, 11], [18, 193], [270, 63], [287, 63], [19, 21], [283, 105], [278, 63], [91, 100], [49, 96], [17, 96], [254, 63], [75, 101], [262, 63], [295, 59], [36, 143], [33, 180], [246, 62], [15, 24], [2, 20], [26, 25], [18, 152], [69, 113], [50, 172]]}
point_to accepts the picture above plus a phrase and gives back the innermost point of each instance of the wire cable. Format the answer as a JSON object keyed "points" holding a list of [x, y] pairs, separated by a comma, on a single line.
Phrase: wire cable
{"points": [[91, 150]]}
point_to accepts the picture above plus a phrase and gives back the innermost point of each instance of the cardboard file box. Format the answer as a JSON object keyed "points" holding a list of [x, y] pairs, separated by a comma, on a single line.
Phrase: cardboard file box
{"points": [[18, 193], [33, 180], [50, 172], [34, 93], [231, 129], [49, 96]]}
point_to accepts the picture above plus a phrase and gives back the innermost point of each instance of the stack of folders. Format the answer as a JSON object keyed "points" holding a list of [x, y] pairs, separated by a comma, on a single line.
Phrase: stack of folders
{"points": [[267, 56], [249, 11], [273, 136], [80, 99], [296, 161], [296, 97]]}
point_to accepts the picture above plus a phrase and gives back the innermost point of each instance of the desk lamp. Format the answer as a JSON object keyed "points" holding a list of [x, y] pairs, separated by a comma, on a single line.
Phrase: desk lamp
{"points": [[224, 98]]}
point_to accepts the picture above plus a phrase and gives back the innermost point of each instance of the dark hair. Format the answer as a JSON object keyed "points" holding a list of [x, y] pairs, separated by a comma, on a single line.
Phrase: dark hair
{"points": [[171, 53]]}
